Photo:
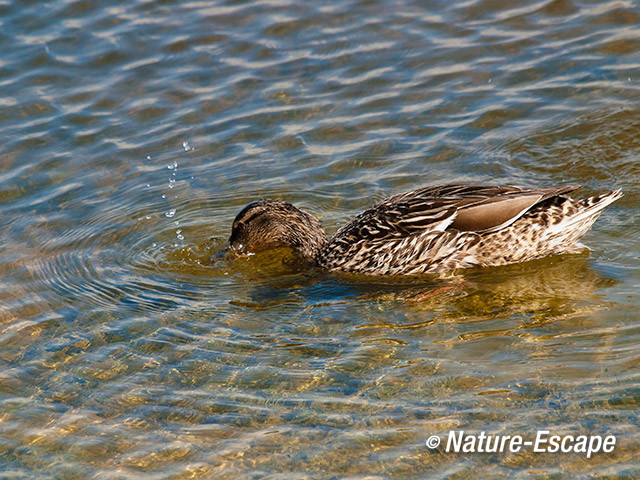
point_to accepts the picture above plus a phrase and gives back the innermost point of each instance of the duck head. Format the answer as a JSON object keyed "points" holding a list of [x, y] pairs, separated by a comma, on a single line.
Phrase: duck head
{"points": [[267, 224]]}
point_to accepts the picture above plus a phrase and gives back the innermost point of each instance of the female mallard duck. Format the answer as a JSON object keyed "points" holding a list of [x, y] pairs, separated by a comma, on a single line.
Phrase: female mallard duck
{"points": [[433, 229]]}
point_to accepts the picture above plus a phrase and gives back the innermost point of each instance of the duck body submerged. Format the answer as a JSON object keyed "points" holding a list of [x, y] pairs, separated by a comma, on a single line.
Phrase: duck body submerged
{"points": [[429, 230]]}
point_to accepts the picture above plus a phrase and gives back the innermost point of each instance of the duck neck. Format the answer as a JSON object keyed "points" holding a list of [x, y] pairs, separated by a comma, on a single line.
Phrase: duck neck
{"points": [[307, 238]]}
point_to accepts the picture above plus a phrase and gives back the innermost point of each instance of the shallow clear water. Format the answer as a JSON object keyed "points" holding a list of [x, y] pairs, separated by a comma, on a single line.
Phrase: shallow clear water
{"points": [[131, 133]]}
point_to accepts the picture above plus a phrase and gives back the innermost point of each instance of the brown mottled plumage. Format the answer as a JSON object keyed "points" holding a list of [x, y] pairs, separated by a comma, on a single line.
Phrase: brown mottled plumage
{"points": [[433, 229]]}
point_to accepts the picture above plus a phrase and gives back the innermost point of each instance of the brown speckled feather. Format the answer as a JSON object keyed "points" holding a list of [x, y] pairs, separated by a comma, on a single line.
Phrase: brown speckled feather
{"points": [[441, 228]]}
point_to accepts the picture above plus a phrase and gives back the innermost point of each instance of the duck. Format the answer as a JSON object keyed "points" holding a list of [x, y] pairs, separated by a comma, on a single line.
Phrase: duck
{"points": [[435, 229]]}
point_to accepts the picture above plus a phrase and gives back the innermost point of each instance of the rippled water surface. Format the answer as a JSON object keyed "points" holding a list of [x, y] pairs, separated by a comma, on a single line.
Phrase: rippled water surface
{"points": [[131, 133]]}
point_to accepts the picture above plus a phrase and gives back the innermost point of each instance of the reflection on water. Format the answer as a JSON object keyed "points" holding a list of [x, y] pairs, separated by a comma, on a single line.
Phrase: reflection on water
{"points": [[132, 346]]}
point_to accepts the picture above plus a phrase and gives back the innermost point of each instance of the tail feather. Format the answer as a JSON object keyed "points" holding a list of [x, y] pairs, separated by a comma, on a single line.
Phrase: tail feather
{"points": [[588, 211], [593, 206]]}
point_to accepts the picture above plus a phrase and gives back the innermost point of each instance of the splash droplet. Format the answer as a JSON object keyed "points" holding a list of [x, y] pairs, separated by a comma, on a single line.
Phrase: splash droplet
{"points": [[171, 213]]}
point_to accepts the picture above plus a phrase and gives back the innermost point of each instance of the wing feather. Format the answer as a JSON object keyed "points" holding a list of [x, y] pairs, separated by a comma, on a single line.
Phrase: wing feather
{"points": [[468, 208]]}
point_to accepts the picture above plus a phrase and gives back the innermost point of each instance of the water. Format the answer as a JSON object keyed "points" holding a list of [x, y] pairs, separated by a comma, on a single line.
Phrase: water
{"points": [[133, 132]]}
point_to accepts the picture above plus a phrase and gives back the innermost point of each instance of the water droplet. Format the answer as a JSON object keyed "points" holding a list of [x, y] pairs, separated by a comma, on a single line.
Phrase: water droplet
{"points": [[164, 196], [148, 157], [148, 217], [172, 165], [172, 182], [186, 146], [171, 213], [148, 185], [176, 223], [154, 245]]}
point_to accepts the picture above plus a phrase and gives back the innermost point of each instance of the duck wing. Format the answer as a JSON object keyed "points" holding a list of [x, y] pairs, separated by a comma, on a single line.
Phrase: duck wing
{"points": [[489, 209], [465, 208]]}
